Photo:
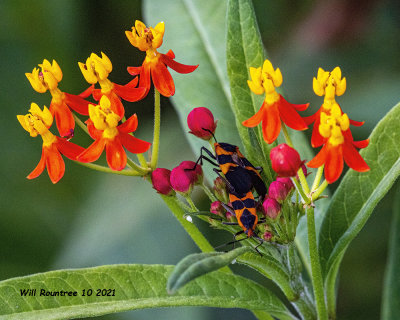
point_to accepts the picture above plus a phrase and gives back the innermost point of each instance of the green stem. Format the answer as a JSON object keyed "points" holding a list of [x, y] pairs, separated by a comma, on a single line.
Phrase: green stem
{"points": [[191, 229], [157, 123], [80, 123], [191, 203], [316, 276], [136, 167], [319, 190], [318, 177], [286, 134], [301, 191], [108, 170], [208, 192]]}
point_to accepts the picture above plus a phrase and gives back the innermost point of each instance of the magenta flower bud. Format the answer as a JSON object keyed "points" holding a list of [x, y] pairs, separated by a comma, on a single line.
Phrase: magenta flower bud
{"points": [[200, 119], [217, 208], [271, 208], [285, 160], [278, 191], [287, 182], [183, 178], [267, 236], [160, 179]]}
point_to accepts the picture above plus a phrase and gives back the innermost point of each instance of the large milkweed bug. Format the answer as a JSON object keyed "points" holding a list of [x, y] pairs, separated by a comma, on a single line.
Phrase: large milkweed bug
{"points": [[244, 208], [240, 175]]}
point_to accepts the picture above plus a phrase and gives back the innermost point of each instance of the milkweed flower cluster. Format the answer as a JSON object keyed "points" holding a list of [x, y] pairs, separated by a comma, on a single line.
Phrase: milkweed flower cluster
{"points": [[273, 213], [106, 122]]}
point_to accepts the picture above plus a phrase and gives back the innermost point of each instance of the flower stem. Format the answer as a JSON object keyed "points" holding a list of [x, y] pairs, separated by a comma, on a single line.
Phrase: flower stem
{"points": [[318, 177], [286, 134], [208, 192], [136, 167], [80, 123], [191, 229], [300, 190], [156, 136], [108, 170], [319, 190], [316, 266], [191, 203]]}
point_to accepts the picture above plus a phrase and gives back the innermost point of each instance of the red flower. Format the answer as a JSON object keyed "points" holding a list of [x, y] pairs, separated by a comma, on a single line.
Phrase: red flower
{"points": [[97, 69], [103, 127], [62, 102], [338, 145], [155, 64], [38, 122], [274, 108], [160, 179]]}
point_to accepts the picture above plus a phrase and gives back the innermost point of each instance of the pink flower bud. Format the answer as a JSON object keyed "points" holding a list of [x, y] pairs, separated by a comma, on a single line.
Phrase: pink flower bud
{"points": [[304, 168], [285, 160], [271, 208], [200, 119], [183, 178], [220, 189], [287, 182], [278, 191], [161, 181], [267, 236], [217, 208]]}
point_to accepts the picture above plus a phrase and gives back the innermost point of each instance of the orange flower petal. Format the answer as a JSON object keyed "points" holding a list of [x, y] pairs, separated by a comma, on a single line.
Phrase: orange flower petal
{"points": [[319, 159], [353, 158], [176, 66], [116, 104], [289, 115], [271, 125], [40, 167], [356, 123], [129, 92], [64, 118], [77, 103], [55, 163], [256, 119], [116, 156], [130, 125], [162, 79], [69, 149], [134, 71], [93, 132], [87, 92], [361, 144], [334, 163], [93, 152], [145, 79], [133, 144]]}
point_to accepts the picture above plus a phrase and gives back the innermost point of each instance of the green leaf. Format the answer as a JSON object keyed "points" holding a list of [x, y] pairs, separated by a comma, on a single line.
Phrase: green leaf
{"points": [[196, 34], [136, 287], [197, 264], [391, 292], [272, 269], [245, 50], [359, 193]]}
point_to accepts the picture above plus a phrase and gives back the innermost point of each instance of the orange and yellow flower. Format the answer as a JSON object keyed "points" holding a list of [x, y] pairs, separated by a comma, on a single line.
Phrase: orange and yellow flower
{"points": [[104, 129], [274, 108], [338, 145], [97, 69], [47, 79], [329, 84], [155, 64], [38, 122]]}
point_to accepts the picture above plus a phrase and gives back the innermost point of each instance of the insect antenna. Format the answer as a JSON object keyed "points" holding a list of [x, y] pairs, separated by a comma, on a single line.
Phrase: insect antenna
{"points": [[208, 130]]}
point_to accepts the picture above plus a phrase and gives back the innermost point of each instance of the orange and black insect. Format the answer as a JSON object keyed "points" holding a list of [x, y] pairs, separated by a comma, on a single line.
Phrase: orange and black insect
{"points": [[240, 175]]}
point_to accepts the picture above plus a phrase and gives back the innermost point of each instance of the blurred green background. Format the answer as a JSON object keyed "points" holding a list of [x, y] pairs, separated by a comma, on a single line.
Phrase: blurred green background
{"points": [[91, 218]]}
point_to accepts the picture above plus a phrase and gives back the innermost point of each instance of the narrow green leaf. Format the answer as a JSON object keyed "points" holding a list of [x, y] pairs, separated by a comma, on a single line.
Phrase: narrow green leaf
{"points": [[359, 193], [245, 50], [136, 287], [197, 264], [196, 34], [391, 292]]}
